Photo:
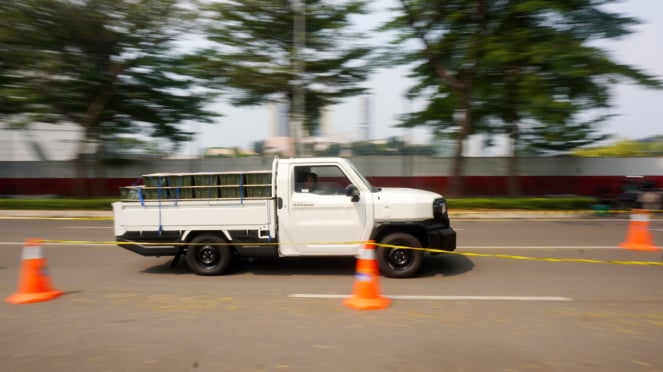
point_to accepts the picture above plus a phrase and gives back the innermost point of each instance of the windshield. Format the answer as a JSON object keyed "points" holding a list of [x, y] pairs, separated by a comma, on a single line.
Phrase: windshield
{"points": [[363, 179]]}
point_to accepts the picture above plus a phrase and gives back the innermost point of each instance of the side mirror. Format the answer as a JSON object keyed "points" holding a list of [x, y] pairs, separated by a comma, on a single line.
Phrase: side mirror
{"points": [[353, 191]]}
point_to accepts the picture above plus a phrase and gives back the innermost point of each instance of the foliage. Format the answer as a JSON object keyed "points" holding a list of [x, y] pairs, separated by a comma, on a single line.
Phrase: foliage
{"points": [[259, 147], [527, 68], [254, 53], [541, 70], [523, 62], [624, 148], [109, 66], [393, 146], [56, 204], [119, 147], [450, 34], [367, 148], [333, 149], [561, 203]]}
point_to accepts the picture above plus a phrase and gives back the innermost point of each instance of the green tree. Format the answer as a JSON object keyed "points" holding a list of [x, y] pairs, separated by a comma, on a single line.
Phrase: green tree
{"points": [[541, 71], [110, 66], [333, 149], [255, 52], [259, 147], [445, 65], [623, 148], [527, 68]]}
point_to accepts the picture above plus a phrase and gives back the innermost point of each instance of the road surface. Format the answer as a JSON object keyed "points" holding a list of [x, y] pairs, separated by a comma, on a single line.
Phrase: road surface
{"points": [[503, 304]]}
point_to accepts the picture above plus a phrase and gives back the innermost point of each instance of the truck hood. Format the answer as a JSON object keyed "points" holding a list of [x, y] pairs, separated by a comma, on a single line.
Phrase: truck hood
{"points": [[403, 204]]}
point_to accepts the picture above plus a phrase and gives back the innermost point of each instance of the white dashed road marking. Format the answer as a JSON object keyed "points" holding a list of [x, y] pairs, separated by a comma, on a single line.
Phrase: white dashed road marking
{"points": [[443, 298]]}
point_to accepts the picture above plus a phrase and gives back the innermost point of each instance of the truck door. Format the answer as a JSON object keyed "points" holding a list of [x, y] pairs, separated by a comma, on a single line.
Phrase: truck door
{"points": [[317, 217]]}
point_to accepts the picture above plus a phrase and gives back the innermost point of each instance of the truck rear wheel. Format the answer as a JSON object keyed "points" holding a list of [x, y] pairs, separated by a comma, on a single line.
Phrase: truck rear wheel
{"points": [[400, 262], [208, 256]]}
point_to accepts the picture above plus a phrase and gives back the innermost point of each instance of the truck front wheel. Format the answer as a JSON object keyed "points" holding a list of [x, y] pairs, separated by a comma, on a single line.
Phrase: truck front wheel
{"points": [[208, 256], [400, 262]]}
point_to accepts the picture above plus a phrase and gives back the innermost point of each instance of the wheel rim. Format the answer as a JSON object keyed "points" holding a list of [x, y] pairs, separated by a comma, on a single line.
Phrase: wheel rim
{"points": [[399, 258], [208, 255]]}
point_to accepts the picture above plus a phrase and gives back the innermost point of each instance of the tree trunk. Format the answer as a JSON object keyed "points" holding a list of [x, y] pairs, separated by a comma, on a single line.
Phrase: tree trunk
{"points": [[89, 124], [80, 174], [458, 166], [513, 181], [456, 184]]}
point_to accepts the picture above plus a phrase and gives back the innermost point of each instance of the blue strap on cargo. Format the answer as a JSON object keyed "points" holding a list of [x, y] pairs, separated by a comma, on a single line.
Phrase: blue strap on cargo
{"points": [[177, 191], [160, 223], [139, 189], [159, 191]]}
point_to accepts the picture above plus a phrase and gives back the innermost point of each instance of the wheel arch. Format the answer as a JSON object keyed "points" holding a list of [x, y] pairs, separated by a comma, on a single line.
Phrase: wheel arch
{"points": [[415, 230], [189, 236]]}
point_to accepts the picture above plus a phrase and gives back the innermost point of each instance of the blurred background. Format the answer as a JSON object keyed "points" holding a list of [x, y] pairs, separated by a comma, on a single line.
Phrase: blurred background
{"points": [[463, 98]]}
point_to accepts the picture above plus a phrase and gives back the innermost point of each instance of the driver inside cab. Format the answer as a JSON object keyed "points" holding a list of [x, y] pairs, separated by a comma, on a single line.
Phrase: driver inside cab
{"points": [[309, 182]]}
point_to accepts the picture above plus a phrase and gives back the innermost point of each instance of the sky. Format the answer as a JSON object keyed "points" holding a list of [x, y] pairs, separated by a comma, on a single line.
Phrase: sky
{"points": [[638, 111]]}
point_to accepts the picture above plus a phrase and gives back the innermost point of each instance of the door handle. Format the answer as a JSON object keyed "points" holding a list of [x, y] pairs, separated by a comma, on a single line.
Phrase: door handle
{"points": [[279, 202]]}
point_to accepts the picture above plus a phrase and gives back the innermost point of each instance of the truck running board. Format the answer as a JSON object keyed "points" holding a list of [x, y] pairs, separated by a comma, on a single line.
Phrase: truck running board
{"points": [[149, 250]]}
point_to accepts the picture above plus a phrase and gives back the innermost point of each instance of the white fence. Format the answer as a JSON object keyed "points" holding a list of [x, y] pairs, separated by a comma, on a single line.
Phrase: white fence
{"points": [[371, 166]]}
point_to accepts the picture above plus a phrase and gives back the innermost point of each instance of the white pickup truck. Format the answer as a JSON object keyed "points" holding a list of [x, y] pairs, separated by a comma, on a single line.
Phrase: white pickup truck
{"points": [[214, 218]]}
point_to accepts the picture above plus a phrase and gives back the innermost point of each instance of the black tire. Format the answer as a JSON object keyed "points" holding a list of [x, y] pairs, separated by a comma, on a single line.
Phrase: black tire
{"points": [[209, 259], [400, 262]]}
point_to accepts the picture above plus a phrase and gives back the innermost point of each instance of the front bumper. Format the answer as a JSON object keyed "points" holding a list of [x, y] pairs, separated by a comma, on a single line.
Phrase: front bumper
{"points": [[441, 237]]}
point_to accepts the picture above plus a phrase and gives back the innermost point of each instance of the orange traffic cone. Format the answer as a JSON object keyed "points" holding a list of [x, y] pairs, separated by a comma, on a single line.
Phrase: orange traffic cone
{"points": [[638, 236], [366, 291], [34, 284]]}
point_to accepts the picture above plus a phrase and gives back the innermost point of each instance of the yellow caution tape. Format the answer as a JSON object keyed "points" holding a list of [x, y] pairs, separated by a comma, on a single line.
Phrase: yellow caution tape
{"points": [[56, 218], [431, 250], [527, 258]]}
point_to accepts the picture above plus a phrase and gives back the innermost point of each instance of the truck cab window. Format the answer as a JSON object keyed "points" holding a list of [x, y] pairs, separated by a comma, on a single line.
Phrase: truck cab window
{"points": [[320, 180]]}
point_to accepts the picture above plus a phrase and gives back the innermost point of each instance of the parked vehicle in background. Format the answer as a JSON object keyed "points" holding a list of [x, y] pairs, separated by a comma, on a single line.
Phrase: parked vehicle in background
{"points": [[639, 193]]}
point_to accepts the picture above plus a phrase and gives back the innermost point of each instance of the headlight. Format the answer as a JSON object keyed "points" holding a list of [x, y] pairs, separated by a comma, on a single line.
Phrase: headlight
{"points": [[439, 208]]}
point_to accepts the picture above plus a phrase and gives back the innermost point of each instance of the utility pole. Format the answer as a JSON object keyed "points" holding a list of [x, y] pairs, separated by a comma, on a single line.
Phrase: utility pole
{"points": [[297, 115]]}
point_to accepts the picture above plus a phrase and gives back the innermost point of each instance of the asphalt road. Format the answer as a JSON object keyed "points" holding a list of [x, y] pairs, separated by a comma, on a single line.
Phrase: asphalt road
{"points": [[487, 309]]}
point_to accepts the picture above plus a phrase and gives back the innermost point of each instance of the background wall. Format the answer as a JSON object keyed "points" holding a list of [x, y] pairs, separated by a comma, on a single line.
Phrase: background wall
{"points": [[483, 176]]}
